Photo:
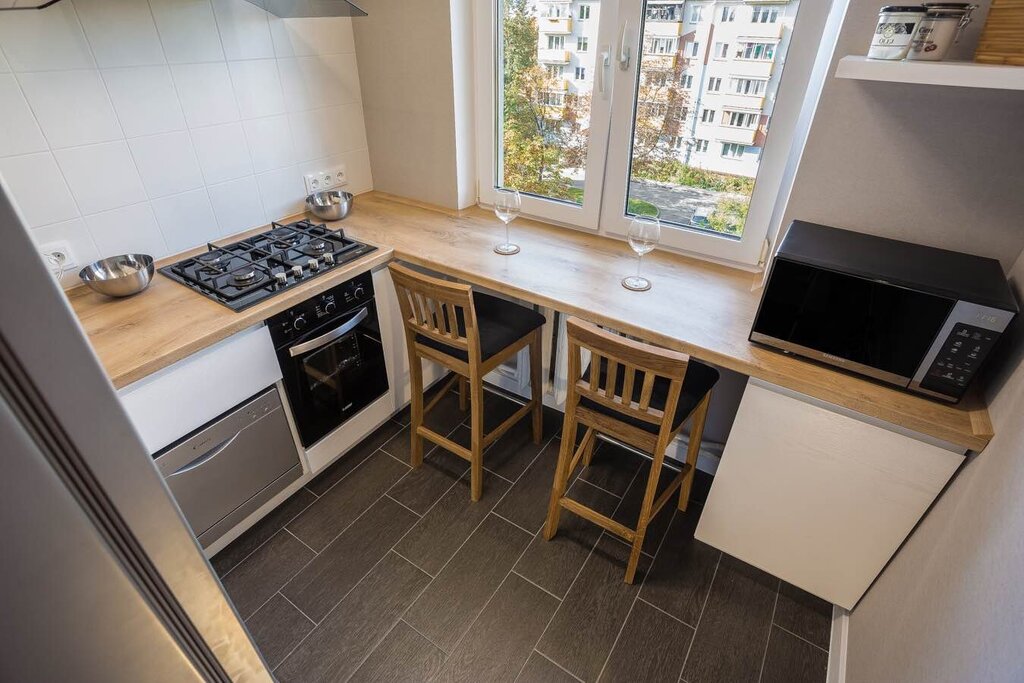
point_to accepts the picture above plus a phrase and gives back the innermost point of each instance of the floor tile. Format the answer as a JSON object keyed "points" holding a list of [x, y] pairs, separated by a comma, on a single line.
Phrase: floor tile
{"points": [[277, 628], [586, 625], [349, 633], [341, 467], [682, 572], [454, 599], [651, 647], [701, 487], [612, 468], [500, 641], [510, 455], [527, 503], [539, 669], [260, 575], [423, 486], [554, 564], [629, 511], [326, 580], [327, 517], [498, 408], [258, 534], [733, 630], [404, 656], [437, 537], [805, 615], [792, 660]]}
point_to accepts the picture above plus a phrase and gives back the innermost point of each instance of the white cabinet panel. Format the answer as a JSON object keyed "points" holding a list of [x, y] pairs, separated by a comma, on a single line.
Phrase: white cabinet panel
{"points": [[816, 496]]}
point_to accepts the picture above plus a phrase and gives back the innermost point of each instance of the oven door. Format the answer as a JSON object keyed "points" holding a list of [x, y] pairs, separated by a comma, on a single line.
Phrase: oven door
{"points": [[334, 371]]}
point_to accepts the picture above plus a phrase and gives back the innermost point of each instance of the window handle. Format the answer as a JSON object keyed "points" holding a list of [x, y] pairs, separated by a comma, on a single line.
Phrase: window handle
{"points": [[604, 61], [623, 56]]}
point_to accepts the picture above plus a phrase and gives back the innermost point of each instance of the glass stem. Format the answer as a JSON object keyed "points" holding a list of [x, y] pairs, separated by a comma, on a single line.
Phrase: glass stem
{"points": [[639, 257], [507, 241]]}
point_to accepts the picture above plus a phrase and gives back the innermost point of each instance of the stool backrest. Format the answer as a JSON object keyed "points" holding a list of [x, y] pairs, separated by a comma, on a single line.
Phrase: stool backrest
{"points": [[433, 307], [640, 365]]}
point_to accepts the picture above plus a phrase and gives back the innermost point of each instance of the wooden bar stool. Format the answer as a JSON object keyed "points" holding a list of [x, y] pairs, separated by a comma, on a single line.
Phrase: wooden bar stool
{"points": [[641, 395], [470, 334]]}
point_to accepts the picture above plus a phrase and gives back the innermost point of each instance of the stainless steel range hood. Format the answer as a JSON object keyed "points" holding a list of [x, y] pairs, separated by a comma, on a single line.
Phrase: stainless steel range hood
{"points": [[309, 8]]}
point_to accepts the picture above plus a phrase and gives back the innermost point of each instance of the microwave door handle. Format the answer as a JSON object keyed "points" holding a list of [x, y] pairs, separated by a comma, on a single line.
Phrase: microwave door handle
{"points": [[327, 337], [205, 457]]}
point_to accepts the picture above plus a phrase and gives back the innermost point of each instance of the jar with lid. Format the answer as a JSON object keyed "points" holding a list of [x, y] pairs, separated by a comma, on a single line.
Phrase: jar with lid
{"points": [[896, 26], [939, 30]]}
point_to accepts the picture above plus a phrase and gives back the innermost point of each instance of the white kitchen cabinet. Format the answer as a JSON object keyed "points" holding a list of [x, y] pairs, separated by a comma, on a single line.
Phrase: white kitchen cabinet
{"points": [[817, 495]]}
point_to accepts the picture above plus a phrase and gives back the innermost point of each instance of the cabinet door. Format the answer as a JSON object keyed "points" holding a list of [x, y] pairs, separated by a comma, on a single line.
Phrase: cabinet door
{"points": [[816, 496]]}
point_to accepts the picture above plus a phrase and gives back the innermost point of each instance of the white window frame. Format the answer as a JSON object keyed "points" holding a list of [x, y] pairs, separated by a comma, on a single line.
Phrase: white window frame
{"points": [[728, 15], [611, 132], [582, 44], [714, 84], [721, 50], [697, 14], [584, 12], [581, 73]]}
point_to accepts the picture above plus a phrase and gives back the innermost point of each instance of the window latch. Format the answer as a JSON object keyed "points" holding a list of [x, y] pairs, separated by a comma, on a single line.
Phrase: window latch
{"points": [[624, 47]]}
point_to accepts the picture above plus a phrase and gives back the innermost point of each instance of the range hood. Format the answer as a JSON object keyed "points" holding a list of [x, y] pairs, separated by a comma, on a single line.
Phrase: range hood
{"points": [[279, 8], [309, 8]]}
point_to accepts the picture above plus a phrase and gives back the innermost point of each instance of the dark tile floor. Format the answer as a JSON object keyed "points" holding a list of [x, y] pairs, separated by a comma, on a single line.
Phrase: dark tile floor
{"points": [[374, 571]]}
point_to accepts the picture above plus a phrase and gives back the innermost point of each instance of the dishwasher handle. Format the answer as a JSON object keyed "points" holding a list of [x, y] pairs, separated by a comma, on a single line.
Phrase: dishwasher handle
{"points": [[205, 457], [328, 337]]}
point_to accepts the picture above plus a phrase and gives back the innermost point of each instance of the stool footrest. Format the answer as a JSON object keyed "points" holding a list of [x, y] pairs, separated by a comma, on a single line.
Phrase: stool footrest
{"points": [[508, 423], [444, 442], [660, 501], [597, 518]]}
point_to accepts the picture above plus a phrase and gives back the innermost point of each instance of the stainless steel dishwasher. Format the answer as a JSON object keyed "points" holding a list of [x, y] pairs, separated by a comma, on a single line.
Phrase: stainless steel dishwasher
{"points": [[225, 470]]}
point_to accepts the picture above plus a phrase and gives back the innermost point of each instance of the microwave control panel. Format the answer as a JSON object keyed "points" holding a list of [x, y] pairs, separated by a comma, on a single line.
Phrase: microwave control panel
{"points": [[958, 359]]}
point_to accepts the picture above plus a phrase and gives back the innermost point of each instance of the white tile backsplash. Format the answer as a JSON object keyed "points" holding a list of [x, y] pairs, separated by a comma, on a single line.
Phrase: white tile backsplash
{"points": [[101, 177], [72, 107], [75, 233], [177, 132]]}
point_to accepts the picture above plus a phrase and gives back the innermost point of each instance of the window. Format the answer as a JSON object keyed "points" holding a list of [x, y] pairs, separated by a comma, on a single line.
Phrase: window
{"points": [[581, 44], [555, 11], [732, 150], [728, 14], [765, 15], [618, 142], [760, 51], [555, 70], [696, 14], [721, 50], [584, 11]]}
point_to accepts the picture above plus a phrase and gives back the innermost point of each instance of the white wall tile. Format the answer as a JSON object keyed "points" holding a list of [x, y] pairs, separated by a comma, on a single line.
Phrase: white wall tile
{"points": [[72, 107], [128, 230], [19, 132], [244, 30], [75, 233], [319, 81], [166, 163], [188, 30], [323, 132], [312, 36], [205, 93], [101, 177], [222, 151], [38, 189], [282, 191], [4, 66], [257, 87], [186, 220], [357, 168], [49, 38], [144, 100], [121, 32], [237, 205], [270, 143]]}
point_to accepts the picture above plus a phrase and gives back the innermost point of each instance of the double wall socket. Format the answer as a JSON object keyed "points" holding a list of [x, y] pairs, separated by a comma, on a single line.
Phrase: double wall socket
{"points": [[327, 179]]}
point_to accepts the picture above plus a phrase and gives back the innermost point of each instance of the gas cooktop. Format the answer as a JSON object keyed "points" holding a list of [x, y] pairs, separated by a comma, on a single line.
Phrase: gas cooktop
{"points": [[244, 273]]}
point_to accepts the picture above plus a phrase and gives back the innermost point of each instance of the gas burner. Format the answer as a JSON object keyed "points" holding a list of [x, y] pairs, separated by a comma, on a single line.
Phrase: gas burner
{"points": [[244, 277], [280, 233], [209, 258], [318, 245]]}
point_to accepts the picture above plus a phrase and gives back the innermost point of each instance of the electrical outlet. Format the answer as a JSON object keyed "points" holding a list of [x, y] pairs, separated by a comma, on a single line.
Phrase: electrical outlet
{"points": [[58, 255], [327, 179]]}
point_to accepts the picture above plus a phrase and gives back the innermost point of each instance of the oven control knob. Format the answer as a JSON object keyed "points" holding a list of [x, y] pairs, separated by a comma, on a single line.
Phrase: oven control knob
{"points": [[330, 307], [297, 271], [314, 265], [299, 323], [358, 292]]}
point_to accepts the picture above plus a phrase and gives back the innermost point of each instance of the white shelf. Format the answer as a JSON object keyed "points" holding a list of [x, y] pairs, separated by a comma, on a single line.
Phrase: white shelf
{"points": [[958, 74]]}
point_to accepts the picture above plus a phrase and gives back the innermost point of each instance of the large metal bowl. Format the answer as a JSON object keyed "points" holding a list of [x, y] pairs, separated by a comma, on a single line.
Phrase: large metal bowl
{"points": [[329, 205], [122, 275]]}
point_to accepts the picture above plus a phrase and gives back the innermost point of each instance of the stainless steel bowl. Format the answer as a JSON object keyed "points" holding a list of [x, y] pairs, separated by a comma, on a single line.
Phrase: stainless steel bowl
{"points": [[329, 205], [122, 275]]}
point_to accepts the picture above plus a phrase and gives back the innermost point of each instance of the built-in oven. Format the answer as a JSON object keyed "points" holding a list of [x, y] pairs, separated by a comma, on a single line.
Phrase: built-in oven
{"points": [[331, 356]]}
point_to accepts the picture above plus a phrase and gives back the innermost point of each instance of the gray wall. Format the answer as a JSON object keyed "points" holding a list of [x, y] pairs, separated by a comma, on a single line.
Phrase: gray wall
{"points": [[405, 72], [934, 165], [948, 608]]}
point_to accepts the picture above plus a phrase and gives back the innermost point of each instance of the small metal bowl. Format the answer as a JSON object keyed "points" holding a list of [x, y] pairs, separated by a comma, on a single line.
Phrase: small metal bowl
{"points": [[122, 275], [329, 205]]}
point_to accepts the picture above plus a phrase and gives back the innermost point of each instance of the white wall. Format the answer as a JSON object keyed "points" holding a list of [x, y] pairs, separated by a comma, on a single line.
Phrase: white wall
{"points": [[135, 126]]}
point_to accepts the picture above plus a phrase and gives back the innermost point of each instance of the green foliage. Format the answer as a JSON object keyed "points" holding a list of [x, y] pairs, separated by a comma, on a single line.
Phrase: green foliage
{"points": [[729, 215], [678, 173]]}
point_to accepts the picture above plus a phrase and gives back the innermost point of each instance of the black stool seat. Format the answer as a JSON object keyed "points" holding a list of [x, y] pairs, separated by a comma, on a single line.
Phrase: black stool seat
{"points": [[499, 323], [697, 382]]}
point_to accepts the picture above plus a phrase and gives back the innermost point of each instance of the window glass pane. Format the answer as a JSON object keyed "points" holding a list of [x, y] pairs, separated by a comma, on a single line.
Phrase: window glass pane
{"points": [[696, 151], [545, 78]]}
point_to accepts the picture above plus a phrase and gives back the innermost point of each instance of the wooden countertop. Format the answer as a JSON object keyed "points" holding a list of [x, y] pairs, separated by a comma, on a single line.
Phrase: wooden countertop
{"points": [[696, 307]]}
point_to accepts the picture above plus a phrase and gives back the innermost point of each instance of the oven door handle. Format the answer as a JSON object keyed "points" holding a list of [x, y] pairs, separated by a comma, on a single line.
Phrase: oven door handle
{"points": [[327, 337]]}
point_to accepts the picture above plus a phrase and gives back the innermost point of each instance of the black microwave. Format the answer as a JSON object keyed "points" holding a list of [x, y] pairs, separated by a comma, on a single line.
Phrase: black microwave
{"points": [[917, 317]]}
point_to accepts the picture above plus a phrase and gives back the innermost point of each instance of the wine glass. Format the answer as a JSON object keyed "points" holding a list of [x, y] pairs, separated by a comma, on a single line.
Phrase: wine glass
{"points": [[507, 204], [643, 236]]}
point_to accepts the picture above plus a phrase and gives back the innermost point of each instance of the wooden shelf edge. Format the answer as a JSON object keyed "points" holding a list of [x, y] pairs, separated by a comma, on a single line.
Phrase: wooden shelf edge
{"points": [[955, 74]]}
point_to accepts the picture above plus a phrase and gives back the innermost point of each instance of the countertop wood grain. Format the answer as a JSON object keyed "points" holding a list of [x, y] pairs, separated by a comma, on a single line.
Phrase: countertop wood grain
{"points": [[697, 307]]}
